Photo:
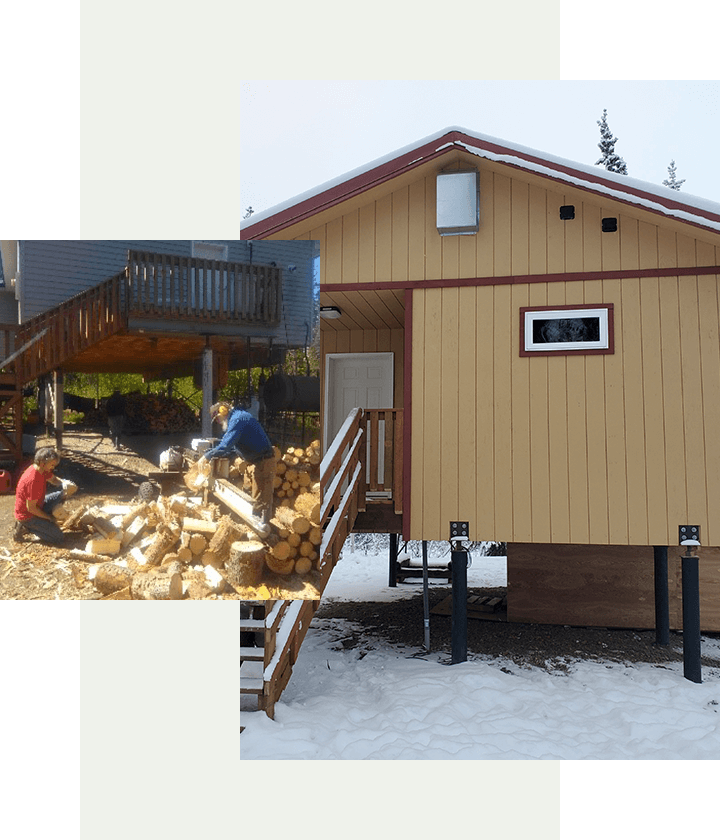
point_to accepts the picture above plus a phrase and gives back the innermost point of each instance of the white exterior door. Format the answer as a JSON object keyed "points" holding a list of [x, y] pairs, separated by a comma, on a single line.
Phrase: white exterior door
{"points": [[356, 380]]}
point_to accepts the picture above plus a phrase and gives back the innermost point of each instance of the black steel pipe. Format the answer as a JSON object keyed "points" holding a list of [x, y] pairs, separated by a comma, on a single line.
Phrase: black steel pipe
{"points": [[393, 559], [459, 606], [426, 595], [691, 619]]}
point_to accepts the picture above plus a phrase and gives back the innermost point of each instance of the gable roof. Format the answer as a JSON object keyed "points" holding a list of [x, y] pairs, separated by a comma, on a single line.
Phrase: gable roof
{"points": [[658, 199]]}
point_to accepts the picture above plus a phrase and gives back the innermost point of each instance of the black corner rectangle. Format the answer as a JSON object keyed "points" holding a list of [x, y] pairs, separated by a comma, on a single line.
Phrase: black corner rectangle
{"points": [[459, 530], [688, 532]]}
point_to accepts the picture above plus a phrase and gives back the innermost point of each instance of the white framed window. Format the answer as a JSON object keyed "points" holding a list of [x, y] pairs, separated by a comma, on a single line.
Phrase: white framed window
{"points": [[585, 328], [209, 250]]}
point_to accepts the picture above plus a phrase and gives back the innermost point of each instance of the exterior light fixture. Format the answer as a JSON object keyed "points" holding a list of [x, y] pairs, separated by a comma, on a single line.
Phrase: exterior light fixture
{"points": [[330, 312]]}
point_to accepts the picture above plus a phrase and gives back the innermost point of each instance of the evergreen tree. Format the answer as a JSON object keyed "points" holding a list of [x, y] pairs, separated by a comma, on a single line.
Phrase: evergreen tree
{"points": [[609, 159], [672, 181]]}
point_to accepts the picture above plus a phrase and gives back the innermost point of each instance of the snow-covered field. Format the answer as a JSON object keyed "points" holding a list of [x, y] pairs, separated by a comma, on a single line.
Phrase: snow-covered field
{"points": [[388, 704]]}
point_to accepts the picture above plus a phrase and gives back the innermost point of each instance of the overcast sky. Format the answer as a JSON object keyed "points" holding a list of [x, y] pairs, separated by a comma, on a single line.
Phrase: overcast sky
{"points": [[313, 131]]}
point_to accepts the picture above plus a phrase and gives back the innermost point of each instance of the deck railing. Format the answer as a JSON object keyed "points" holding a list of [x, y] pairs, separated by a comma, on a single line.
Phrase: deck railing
{"points": [[163, 285], [385, 453]]}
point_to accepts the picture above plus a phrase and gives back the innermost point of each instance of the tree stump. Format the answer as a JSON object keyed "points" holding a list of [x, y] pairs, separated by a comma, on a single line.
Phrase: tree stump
{"points": [[156, 586], [245, 563]]}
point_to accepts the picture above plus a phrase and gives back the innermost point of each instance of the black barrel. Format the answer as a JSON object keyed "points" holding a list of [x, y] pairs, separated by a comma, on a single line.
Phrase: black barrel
{"points": [[292, 393]]}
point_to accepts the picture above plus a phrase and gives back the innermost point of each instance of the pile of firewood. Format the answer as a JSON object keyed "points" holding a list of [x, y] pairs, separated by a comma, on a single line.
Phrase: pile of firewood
{"points": [[297, 511], [182, 546], [147, 414]]}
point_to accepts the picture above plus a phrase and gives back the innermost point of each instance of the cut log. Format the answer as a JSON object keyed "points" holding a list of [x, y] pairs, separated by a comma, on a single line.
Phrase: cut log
{"points": [[87, 556], [308, 504], [155, 586], [132, 515], [280, 567], [198, 543], [315, 535], [73, 519], [164, 540], [228, 531], [184, 554], [306, 548], [210, 559], [303, 565], [282, 551], [103, 546], [199, 526], [292, 520], [244, 566], [109, 577]]}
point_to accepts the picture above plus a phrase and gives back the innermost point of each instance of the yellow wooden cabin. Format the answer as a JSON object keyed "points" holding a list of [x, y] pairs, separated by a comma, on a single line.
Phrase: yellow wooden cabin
{"points": [[544, 337]]}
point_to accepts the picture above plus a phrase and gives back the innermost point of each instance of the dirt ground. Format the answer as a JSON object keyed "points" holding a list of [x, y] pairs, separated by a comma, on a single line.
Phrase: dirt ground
{"points": [[360, 627], [33, 571]]}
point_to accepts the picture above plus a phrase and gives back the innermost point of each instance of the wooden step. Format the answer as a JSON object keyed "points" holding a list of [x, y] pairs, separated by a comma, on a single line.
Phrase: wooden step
{"points": [[252, 654], [251, 685], [252, 624]]}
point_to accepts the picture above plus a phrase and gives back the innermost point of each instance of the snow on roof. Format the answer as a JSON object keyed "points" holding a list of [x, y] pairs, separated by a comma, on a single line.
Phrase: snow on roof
{"points": [[659, 199]]}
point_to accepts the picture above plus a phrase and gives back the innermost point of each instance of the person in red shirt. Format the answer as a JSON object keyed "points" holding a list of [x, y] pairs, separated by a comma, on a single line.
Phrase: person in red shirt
{"points": [[33, 504]]}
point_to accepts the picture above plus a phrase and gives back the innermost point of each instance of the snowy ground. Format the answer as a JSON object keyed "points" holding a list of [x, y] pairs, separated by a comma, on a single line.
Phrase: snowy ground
{"points": [[392, 703]]}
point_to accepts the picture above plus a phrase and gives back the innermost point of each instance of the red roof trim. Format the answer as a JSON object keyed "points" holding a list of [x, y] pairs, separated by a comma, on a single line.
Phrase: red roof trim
{"points": [[436, 148]]}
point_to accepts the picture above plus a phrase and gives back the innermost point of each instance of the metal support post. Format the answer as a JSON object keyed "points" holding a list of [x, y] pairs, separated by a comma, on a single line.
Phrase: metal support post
{"points": [[393, 559], [662, 604], [691, 617], [426, 595], [459, 604]]}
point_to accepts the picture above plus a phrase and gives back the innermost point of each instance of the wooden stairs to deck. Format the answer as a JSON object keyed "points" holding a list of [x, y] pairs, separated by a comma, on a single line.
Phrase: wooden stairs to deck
{"points": [[281, 626]]}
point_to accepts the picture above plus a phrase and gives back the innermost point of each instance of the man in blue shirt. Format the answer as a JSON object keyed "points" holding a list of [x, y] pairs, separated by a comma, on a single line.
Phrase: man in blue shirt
{"points": [[243, 435]]}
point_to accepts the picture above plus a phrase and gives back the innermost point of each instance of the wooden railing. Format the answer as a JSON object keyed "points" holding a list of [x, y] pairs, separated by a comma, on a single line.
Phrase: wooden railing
{"points": [[52, 337], [366, 455], [162, 285], [385, 453], [342, 479], [283, 625]]}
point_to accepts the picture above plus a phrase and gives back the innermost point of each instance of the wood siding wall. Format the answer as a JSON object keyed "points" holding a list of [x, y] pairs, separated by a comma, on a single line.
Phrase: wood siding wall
{"points": [[617, 449], [394, 238]]}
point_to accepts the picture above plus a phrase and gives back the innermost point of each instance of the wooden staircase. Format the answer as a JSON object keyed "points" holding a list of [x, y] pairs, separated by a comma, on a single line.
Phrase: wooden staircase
{"points": [[281, 626]]}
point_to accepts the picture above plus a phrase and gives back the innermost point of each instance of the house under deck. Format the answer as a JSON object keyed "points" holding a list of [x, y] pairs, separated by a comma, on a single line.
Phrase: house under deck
{"points": [[162, 316]]}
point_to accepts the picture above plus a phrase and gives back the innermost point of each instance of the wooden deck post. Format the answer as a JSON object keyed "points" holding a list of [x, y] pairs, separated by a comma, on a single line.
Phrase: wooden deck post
{"points": [[393, 559], [58, 405], [207, 388]]}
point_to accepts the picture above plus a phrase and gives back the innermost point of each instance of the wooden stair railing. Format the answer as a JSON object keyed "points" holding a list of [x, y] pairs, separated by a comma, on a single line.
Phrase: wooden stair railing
{"points": [[342, 477], [51, 338]]}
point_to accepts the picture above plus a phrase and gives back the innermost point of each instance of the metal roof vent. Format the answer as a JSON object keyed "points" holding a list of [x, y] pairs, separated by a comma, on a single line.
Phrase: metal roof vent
{"points": [[458, 203]]}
